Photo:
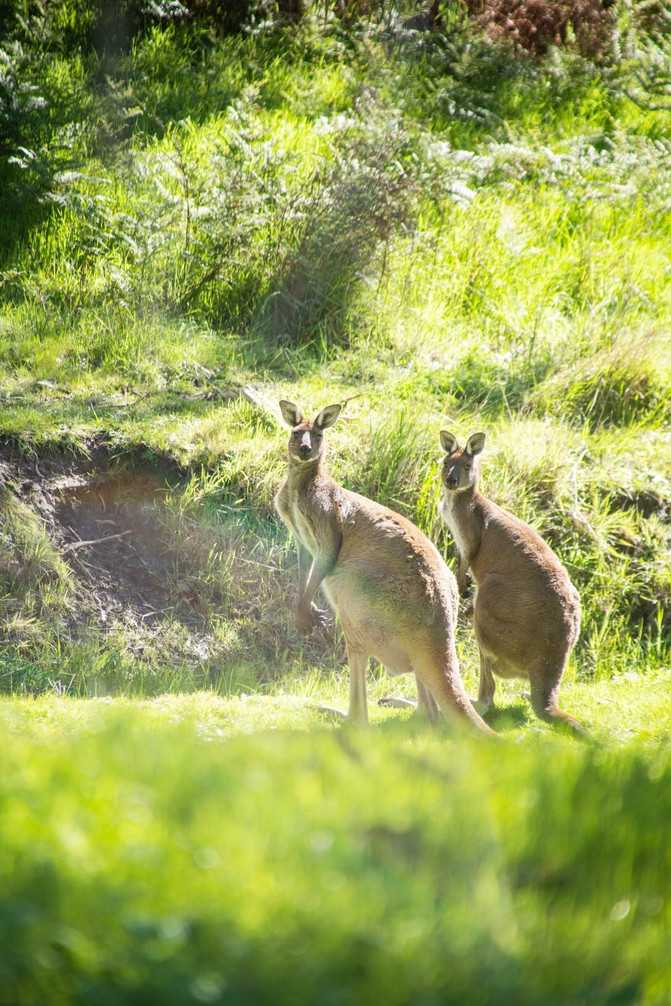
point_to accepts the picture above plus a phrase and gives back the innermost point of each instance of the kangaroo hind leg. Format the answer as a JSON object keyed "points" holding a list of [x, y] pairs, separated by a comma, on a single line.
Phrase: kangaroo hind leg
{"points": [[545, 705], [425, 706], [358, 702], [485, 700]]}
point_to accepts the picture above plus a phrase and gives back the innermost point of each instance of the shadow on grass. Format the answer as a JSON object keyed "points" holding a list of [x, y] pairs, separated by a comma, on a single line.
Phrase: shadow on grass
{"points": [[509, 717], [500, 720]]}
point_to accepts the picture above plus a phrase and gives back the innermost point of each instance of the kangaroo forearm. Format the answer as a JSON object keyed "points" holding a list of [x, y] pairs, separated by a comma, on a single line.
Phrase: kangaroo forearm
{"points": [[462, 576], [320, 569], [304, 564]]}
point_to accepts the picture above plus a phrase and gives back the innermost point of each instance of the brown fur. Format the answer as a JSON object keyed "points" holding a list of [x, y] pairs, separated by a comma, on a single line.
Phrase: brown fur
{"points": [[526, 612], [395, 597]]}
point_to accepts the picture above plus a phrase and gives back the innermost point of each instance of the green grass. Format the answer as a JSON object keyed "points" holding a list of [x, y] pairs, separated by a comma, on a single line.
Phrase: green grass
{"points": [[149, 856], [630, 707]]}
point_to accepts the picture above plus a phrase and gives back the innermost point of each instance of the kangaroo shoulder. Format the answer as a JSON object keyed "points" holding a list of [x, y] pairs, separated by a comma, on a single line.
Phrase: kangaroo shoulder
{"points": [[365, 511], [323, 498], [527, 542], [388, 525], [503, 523]]}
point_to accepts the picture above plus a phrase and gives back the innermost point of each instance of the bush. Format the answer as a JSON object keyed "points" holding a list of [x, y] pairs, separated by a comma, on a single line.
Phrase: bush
{"points": [[347, 211], [109, 26], [535, 25]]}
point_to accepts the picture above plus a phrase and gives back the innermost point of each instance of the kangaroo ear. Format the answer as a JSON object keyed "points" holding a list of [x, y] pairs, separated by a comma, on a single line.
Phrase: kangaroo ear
{"points": [[475, 443], [327, 416], [291, 414], [448, 442]]}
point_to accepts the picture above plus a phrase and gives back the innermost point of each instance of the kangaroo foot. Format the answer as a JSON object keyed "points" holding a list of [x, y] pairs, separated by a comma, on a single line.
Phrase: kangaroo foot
{"points": [[337, 714], [569, 725], [396, 702], [422, 712]]}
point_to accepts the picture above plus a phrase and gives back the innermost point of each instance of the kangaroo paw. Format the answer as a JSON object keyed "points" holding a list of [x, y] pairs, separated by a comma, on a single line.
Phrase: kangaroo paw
{"points": [[329, 711], [396, 702]]}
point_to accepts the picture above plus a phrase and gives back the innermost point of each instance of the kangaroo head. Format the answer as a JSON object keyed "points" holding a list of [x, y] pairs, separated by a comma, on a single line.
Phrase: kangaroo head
{"points": [[306, 443], [460, 466]]}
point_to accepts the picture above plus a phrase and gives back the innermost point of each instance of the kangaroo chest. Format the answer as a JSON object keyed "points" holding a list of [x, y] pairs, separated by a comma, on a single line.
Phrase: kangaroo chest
{"points": [[455, 530], [304, 528], [461, 529], [304, 525]]}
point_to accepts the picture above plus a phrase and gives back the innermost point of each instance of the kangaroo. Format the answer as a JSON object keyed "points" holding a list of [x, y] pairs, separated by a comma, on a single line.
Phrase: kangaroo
{"points": [[391, 590], [526, 612]]}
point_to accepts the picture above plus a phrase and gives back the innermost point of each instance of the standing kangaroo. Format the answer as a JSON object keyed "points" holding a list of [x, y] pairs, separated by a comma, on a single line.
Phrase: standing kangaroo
{"points": [[395, 597], [526, 612]]}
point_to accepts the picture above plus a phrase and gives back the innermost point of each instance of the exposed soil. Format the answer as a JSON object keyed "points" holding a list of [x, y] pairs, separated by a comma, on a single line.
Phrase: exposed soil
{"points": [[111, 532], [108, 520]]}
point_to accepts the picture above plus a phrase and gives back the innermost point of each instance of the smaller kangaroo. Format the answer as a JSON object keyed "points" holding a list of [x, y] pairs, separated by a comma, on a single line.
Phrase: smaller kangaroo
{"points": [[394, 595], [526, 612]]}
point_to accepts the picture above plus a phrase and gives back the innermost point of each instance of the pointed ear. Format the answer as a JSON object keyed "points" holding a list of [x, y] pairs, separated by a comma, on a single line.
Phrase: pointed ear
{"points": [[327, 416], [291, 414], [448, 442], [475, 443]]}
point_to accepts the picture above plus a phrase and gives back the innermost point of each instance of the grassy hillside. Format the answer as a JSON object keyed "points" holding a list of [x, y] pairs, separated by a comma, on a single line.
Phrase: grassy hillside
{"points": [[458, 235]]}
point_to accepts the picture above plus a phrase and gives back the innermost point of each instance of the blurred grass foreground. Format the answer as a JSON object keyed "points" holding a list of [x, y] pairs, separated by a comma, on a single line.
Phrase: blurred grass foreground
{"points": [[147, 862]]}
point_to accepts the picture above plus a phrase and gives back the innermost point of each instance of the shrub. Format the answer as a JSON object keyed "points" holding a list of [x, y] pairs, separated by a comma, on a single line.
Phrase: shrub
{"points": [[644, 48], [535, 25], [350, 208], [25, 167], [109, 26]]}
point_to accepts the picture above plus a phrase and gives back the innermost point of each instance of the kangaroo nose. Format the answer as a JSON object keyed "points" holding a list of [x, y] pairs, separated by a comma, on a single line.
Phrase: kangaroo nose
{"points": [[305, 450], [451, 481]]}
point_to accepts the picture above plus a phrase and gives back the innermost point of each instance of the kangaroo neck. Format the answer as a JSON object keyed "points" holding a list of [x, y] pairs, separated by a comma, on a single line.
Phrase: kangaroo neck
{"points": [[464, 512], [300, 475]]}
